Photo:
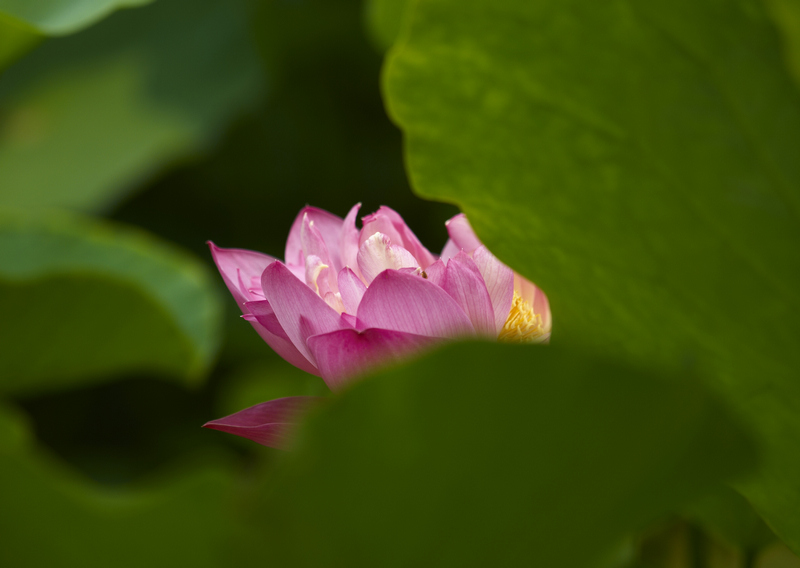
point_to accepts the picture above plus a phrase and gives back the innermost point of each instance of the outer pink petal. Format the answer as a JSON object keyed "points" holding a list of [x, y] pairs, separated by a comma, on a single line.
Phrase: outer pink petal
{"points": [[499, 280], [238, 267], [352, 290], [262, 312], [269, 423], [351, 321], [464, 283], [461, 233], [435, 272], [450, 250], [299, 270], [329, 226], [300, 312], [407, 239], [541, 305], [378, 253], [348, 241], [343, 355], [263, 320], [404, 302]]}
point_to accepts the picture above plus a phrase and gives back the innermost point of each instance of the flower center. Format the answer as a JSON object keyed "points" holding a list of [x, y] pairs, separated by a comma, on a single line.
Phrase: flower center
{"points": [[523, 325]]}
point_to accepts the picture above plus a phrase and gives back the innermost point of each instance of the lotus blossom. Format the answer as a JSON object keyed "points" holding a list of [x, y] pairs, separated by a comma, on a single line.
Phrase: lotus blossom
{"points": [[345, 301]]}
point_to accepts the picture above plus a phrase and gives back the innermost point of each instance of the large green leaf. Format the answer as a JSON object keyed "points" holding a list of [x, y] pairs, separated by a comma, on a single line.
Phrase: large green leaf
{"points": [[14, 42], [728, 515], [58, 17], [83, 300], [53, 517], [496, 455], [383, 20], [639, 160], [787, 17], [106, 108]]}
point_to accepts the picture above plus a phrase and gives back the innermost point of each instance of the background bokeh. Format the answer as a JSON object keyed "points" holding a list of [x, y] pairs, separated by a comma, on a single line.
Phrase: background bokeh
{"points": [[133, 132]]}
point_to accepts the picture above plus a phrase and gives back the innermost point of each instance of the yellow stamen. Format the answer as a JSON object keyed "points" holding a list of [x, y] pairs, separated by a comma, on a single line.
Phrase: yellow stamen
{"points": [[523, 325]]}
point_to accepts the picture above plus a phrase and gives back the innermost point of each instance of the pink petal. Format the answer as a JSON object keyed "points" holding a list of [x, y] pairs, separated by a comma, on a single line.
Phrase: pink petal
{"points": [[376, 223], [238, 267], [351, 321], [348, 241], [263, 320], [345, 354], [499, 280], [299, 271], [352, 290], [320, 277], [535, 297], [300, 312], [314, 267], [378, 254], [262, 312], [450, 250], [329, 227], [408, 270], [269, 423], [404, 302], [461, 233], [389, 222], [464, 283], [311, 241], [435, 272], [541, 306], [334, 300]]}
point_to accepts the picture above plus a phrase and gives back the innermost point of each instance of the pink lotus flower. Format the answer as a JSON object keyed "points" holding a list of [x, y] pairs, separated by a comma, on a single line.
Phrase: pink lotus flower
{"points": [[347, 301]]}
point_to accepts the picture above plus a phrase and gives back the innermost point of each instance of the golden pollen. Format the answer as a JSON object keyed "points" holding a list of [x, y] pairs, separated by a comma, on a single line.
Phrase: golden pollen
{"points": [[523, 325]]}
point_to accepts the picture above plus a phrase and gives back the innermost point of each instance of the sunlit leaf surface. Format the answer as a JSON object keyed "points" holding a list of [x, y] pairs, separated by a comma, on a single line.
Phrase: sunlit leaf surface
{"points": [[639, 161], [786, 14], [96, 300]]}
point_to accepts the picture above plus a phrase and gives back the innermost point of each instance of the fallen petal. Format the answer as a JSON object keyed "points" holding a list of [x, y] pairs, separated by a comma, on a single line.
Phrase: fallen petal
{"points": [[269, 423]]}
